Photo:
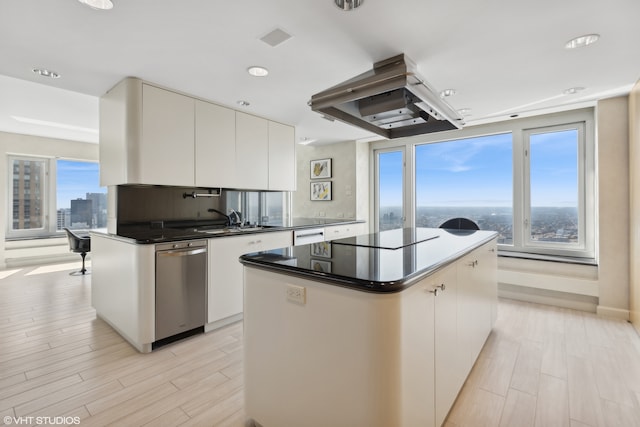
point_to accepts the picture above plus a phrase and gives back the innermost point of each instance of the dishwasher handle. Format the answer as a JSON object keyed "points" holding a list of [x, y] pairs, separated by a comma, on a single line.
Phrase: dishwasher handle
{"points": [[182, 252]]}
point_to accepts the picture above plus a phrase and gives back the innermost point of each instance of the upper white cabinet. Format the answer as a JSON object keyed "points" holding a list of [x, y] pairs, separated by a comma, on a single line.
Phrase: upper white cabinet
{"points": [[282, 157], [151, 135], [252, 152], [166, 144], [215, 147], [146, 136]]}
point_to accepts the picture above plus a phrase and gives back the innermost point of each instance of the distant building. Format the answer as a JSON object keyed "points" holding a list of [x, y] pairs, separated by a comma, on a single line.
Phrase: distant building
{"points": [[81, 213], [64, 218], [98, 209], [28, 189]]}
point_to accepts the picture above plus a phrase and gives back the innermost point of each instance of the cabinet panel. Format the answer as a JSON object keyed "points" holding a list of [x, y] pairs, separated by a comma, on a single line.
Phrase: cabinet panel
{"points": [[252, 152], [341, 231], [282, 157], [477, 294], [449, 378], [215, 146], [225, 271], [166, 152], [418, 357]]}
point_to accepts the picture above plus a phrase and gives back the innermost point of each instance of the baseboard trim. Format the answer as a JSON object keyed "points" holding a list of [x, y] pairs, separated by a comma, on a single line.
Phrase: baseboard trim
{"points": [[548, 297], [616, 313]]}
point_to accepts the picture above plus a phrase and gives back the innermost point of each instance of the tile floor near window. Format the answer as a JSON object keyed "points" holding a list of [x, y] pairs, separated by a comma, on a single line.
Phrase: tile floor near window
{"points": [[542, 366]]}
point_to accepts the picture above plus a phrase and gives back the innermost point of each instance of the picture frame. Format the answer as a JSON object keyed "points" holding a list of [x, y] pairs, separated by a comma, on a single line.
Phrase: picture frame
{"points": [[321, 249], [320, 265], [320, 168], [321, 191]]}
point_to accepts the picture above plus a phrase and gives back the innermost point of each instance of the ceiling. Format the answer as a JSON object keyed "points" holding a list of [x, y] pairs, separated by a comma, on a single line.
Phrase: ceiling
{"points": [[502, 57]]}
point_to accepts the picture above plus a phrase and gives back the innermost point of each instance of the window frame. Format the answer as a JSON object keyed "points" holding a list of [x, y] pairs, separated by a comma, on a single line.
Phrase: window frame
{"points": [[586, 254], [407, 200], [583, 248], [50, 228]]}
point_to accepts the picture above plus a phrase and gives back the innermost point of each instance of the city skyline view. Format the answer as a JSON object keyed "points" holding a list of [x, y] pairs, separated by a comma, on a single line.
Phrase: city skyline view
{"points": [[74, 180], [474, 178]]}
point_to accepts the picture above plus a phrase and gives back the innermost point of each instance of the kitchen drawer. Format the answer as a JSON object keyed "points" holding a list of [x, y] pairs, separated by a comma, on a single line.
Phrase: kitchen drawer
{"points": [[341, 231]]}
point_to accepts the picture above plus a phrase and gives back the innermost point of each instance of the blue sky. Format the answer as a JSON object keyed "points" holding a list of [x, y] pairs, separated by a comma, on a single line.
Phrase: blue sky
{"points": [[479, 172], [75, 180]]}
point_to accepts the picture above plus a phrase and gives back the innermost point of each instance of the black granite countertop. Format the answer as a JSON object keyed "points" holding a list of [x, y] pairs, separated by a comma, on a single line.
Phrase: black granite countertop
{"points": [[163, 232], [389, 261]]}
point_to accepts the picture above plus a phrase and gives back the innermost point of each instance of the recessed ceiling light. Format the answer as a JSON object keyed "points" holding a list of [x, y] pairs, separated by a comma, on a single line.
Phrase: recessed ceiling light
{"points": [[347, 5], [582, 41], [98, 4], [46, 73], [447, 92], [243, 103], [572, 90], [465, 111], [257, 71]]}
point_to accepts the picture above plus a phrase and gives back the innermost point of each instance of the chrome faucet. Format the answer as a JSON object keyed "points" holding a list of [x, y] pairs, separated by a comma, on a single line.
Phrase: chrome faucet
{"points": [[237, 215]]}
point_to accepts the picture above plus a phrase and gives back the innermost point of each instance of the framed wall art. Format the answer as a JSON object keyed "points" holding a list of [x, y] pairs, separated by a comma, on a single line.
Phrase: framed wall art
{"points": [[321, 190], [321, 249], [320, 265], [321, 168]]}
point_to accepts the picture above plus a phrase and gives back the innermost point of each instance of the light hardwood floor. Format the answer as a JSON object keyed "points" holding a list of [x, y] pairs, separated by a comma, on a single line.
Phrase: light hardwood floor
{"points": [[542, 366]]}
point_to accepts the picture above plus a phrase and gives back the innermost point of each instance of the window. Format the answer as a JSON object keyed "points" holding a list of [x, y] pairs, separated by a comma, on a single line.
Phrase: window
{"points": [[531, 180], [28, 194], [390, 212], [471, 178], [48, 194]]}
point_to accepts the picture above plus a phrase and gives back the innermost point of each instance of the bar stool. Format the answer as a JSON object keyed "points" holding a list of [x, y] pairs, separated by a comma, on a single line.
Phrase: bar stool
{"points": [[79, 244]]}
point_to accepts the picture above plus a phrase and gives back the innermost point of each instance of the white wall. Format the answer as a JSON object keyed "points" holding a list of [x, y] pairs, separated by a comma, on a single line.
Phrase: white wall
{"points": [[613, 206], [634, 196], [350, 180], [11, 143]]}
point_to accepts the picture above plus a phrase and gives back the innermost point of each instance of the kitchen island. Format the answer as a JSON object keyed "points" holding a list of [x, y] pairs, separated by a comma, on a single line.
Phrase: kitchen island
{"points": [[372, 330]]}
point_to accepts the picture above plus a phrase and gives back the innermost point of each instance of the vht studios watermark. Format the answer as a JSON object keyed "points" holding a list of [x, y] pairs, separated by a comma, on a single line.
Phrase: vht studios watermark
{"points": [[47, 421]]}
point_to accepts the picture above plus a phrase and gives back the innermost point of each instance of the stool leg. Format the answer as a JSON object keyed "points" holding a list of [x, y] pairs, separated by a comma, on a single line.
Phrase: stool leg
{"points": [[84, 270]]}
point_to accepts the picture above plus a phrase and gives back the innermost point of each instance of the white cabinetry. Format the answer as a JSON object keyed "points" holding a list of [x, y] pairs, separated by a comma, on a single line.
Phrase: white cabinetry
{"points": [[146, 136], [477, 294], [252, 152], [225, 271], [215, 146], [347, 230], [282, 157], [123, 288], [166, 145], [151, 135]]}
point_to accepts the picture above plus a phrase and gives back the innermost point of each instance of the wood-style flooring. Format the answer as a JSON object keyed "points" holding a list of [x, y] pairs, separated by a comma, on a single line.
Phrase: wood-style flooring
{"points": [[542, 366]]}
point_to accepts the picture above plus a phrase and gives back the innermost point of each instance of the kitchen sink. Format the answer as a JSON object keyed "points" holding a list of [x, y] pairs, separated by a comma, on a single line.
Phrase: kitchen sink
{"points": [[231, 230]]}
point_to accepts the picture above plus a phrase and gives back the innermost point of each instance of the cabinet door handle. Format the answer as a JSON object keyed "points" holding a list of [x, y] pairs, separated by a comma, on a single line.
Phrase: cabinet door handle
{"points": [[434, 292], [442, 287]]}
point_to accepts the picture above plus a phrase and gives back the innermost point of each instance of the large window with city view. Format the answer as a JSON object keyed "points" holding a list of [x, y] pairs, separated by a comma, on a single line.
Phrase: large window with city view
{"points": [[532, 183], [47, 195]]}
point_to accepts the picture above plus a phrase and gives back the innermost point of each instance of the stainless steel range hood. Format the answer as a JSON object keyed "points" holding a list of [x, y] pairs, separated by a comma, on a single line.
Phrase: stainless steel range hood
{"points": [[392, 100]]}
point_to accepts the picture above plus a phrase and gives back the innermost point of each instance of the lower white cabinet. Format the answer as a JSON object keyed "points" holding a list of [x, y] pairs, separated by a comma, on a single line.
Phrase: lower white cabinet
{"points": [[225, 271], [333, 232], [477, 295]]}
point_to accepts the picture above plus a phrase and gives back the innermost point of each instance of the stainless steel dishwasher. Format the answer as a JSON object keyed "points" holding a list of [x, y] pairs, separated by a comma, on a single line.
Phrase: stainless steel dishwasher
{"points": [[181, 289]]}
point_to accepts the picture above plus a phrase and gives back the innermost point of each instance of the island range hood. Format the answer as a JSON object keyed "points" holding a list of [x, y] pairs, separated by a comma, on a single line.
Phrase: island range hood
{"points": [[391, 100]]}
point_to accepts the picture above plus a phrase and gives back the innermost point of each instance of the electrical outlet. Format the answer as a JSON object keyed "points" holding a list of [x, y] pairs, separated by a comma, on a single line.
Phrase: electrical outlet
{"points": [[296, 294]]}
